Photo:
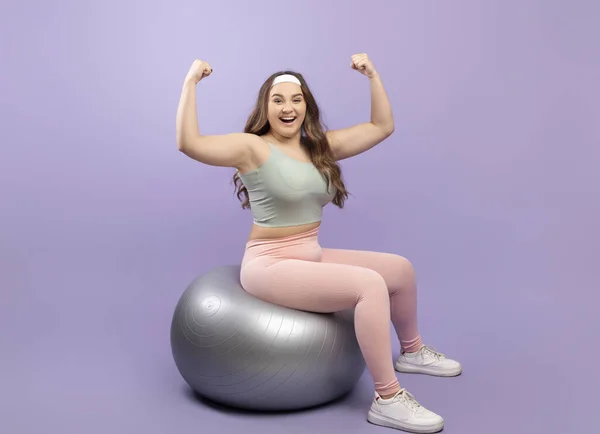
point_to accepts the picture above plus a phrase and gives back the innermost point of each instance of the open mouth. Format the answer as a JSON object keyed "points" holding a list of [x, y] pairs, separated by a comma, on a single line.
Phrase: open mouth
{"points": [[288, 120]]}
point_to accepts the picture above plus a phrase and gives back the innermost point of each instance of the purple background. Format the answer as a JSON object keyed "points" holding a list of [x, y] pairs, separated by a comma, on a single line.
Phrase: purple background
{"points": [[490, 185]]}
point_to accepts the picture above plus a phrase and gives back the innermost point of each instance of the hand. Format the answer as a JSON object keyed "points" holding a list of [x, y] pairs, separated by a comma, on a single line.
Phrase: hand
{"points": [[198, 71], [363, 64]]}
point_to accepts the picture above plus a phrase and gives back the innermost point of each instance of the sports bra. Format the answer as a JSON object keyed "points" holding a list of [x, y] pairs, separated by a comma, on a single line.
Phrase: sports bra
{"points": [[284, 191]]}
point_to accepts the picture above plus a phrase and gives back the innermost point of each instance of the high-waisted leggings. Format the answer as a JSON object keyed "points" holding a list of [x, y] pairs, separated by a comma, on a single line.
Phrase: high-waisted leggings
{"points": [[296, 272]]}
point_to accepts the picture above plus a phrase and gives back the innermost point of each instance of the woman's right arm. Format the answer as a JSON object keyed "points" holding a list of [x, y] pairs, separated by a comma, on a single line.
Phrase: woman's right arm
{"points": [[228, 150]]}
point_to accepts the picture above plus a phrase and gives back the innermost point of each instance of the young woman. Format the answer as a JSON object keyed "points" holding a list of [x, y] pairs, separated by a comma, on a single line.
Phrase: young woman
{"points": [[287, 171]]}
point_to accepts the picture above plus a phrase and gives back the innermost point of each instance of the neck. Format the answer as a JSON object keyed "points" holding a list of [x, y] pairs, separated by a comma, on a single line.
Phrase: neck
{"points": [[283, 140]]}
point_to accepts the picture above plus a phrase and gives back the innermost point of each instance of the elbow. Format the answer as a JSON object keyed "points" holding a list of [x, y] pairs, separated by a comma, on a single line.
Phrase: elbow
{"points": [[182, 143], [182, 139], [387, 130], [187, 141], [384, 129], [179, 141]]}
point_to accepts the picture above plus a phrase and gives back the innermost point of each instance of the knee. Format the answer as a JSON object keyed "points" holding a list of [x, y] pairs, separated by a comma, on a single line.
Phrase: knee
{"points": [[374, 279], [373, 286], [404, 275], [403, 265]]}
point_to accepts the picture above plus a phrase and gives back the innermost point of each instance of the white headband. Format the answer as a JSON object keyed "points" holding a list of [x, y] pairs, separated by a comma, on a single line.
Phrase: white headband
{"points": [[286, 78]]}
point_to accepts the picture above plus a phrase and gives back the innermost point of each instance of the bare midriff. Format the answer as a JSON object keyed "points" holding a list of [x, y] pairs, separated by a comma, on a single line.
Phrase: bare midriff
{"points": [[262, 233]]}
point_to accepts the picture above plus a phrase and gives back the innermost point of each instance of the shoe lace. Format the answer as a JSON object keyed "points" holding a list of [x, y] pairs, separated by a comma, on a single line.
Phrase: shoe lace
{"points": [[408, 399], [432, 351]]}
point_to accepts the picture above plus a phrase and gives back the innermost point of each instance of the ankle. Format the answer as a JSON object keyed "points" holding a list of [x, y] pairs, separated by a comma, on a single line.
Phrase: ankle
{"points": [[390, 393], [411, 346]]}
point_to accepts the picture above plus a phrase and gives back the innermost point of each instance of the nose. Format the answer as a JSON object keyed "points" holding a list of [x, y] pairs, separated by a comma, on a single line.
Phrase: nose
{"points": [[287, 108]]}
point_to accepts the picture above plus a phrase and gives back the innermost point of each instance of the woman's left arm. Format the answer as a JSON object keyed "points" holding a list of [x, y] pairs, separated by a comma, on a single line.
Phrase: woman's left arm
{"points": [[348, 142]]}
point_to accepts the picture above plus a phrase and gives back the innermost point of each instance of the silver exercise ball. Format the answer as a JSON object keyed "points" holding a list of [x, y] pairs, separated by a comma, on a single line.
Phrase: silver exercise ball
{"points": [[240, 351]]}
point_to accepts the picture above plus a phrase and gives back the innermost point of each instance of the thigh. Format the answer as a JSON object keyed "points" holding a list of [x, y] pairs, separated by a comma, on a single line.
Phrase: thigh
{"points": [[396, 270], [311, 286]]}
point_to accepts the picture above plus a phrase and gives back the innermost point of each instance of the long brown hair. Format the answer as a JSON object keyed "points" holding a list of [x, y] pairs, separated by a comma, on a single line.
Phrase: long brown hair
{"points": [[313, 139]]}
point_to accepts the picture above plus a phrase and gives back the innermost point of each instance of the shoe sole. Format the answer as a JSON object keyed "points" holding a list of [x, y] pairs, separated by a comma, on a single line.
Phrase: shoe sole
{"points": [[382, 420], [407, 369]]}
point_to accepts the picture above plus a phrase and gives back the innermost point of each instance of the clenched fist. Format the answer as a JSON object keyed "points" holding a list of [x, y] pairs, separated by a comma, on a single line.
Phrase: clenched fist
{"points": [[198, 71], [363, 64]]}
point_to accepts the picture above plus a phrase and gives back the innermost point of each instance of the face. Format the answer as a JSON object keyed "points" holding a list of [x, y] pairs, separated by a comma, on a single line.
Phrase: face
{"points": [[286, 109]]}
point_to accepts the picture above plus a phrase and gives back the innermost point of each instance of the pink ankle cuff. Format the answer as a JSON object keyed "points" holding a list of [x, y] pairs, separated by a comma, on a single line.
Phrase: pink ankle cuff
{"points": [[411, 346]]}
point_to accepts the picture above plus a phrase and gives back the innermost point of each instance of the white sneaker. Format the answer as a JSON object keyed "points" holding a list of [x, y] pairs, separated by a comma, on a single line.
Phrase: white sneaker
{"points": [[403, 412], [428, 361]]}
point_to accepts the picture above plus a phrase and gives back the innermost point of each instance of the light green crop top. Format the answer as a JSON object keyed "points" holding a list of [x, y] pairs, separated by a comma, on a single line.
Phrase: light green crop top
{"points": [[286, 192]]}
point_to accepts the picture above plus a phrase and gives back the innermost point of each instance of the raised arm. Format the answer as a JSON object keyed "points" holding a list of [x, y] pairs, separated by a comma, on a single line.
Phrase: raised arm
{"points": [[348, 142], [228, 150]]}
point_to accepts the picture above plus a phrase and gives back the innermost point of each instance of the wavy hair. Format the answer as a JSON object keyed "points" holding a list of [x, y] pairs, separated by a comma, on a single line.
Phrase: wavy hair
{"points": [[313, 139]]}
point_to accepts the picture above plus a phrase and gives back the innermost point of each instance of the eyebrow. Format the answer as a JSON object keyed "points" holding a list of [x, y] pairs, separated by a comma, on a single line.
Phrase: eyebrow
{"points": [[281, 96]]}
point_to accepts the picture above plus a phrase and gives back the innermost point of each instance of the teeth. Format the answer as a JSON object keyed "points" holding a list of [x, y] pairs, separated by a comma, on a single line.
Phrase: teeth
{"points": [[288, 119]]}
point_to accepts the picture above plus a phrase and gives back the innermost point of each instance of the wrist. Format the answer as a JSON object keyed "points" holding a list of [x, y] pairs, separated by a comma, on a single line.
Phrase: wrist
{"points": [[189, 81]]}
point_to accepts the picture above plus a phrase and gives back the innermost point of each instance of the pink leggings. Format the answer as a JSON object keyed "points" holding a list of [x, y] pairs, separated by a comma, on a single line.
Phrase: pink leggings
{"points": [[298, 273]]}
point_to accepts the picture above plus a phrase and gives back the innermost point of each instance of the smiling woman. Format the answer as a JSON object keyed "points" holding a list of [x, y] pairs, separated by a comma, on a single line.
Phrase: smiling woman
{"points": [[288, 115], [287, 171]]}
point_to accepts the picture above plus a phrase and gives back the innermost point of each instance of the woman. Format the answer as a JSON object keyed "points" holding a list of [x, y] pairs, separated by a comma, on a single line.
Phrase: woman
{"points": [[287, 171]]}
